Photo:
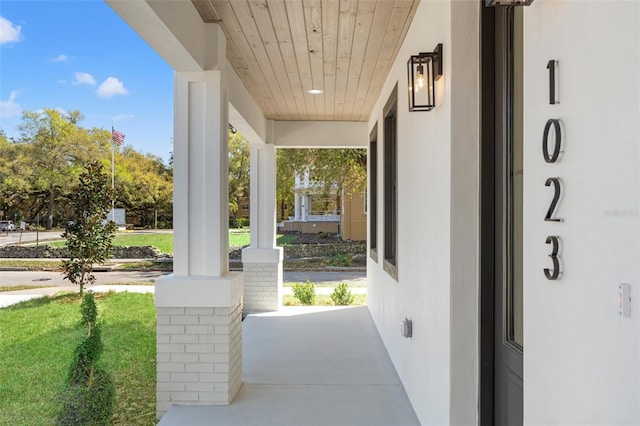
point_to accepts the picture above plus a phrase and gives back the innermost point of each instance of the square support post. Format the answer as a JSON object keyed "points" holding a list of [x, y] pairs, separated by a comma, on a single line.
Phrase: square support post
{"points": [[262, 261], [199, 306]]}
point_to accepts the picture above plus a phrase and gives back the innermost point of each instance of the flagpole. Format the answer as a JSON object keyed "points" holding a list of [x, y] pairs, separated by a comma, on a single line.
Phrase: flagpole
{"points": [[117, 138], [113, 177]]}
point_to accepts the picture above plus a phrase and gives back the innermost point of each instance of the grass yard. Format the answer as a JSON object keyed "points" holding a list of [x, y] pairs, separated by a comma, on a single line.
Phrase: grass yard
{"points": [[38, 339], [241, 238], [164, 242]]}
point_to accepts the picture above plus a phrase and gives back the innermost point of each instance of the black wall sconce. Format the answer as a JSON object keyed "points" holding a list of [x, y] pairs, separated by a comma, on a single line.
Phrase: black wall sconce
{"points": [[493, 3], [424, 69]]}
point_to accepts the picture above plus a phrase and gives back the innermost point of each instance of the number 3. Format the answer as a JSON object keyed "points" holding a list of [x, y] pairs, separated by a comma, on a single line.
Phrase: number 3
{"points": [[555, 273]]}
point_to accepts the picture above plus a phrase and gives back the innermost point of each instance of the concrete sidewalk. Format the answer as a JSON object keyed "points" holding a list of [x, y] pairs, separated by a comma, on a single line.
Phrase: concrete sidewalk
{"points": [[107, 281], [9, 298], [309, 366]]}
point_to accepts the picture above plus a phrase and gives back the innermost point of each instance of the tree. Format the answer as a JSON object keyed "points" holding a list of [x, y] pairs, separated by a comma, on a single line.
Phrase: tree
{"points": [[39, 169], [88, 239], [57, 147], [143, 186], [338, 169], [239, 151]]}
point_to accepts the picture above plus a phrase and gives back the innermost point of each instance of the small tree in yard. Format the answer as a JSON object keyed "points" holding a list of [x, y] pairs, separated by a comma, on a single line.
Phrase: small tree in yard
{"points": [[88, 240]]}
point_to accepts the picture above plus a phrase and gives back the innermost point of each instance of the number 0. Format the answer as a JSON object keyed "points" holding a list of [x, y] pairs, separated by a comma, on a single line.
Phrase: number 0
{"points": [[553, 157]]}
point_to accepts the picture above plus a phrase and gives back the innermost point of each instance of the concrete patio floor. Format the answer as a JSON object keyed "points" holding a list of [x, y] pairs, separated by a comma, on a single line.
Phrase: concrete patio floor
{"points": [[310, 366]]}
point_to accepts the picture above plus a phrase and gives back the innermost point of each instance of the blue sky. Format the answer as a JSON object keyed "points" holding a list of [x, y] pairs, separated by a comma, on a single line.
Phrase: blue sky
{"points": [[79, 55]]}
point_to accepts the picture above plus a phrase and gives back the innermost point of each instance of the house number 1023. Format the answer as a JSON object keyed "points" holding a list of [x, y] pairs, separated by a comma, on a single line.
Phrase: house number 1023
{"points": [[552, 156]]}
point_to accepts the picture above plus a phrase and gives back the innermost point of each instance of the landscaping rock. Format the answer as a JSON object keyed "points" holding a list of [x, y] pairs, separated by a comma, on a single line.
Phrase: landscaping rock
{"points": [[300, 251], [47, 252]]}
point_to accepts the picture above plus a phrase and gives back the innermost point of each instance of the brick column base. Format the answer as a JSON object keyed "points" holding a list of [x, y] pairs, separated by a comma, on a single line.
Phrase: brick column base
{"points": [[199, 348], [262, 279]]}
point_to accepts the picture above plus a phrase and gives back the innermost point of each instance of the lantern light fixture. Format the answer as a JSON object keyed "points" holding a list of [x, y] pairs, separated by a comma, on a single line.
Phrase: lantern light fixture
{"points": [[424, 70], [494, 3]]}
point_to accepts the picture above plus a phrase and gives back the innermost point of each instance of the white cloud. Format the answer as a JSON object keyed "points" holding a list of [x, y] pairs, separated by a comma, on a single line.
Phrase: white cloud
{"points": [[10, 108], [83, 78], [63, 82], [9, 32], [60, 58], [111, 87], [123, 117]]}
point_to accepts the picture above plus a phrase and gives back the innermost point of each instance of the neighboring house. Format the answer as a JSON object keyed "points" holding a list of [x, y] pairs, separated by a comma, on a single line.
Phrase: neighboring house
{"points": [[318, 210], [503, 222]]}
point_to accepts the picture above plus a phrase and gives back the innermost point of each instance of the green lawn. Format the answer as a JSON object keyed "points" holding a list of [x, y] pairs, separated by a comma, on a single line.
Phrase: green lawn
{"points": [[164, 242], [38, 339]]}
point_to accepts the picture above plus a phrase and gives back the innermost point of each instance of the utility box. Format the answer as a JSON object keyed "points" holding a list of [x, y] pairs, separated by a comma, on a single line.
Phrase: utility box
{"points": [[118, 216]]}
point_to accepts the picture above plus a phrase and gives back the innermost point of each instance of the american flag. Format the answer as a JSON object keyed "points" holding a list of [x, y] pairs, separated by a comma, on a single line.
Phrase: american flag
{"points": [[117, 137]]}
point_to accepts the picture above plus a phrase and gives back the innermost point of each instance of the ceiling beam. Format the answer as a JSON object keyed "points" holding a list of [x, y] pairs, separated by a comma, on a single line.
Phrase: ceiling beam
{"points": [[320, 134]]}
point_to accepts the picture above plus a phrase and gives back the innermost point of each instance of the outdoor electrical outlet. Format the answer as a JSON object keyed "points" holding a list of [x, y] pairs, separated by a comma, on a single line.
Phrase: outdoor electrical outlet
{"points": [[624, 300], [406, 328]]}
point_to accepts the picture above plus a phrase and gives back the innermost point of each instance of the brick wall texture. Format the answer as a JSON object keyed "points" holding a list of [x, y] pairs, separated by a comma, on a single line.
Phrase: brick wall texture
{"points": [[199, 356], [261, 286]]}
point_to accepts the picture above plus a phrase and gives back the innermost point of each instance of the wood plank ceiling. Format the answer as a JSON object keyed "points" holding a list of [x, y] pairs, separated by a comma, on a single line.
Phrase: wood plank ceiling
{"points": [[281, 49]]}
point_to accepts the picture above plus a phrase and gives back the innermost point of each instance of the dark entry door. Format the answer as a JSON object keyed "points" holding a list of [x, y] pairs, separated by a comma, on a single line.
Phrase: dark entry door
{"points": [[502, 303]]}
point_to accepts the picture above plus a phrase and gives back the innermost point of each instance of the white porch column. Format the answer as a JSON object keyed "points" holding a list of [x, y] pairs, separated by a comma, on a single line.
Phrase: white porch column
{"points": [[199, 306], [303, 211], [262, 261], [298, 206]]}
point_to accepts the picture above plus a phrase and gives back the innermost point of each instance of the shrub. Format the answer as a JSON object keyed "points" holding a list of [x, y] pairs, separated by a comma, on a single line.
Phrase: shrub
{"points": [[305, 293], [341, 295], [340, 260], [89, 395], [82, 405]]}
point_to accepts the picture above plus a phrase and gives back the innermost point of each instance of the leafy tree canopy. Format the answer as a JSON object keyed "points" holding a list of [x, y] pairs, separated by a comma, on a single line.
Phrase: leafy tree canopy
{"points": [[39, 168], [338, 169]]}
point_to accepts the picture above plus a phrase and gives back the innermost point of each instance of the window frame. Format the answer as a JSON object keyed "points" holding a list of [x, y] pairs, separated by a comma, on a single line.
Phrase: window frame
{"points": [[373, 193], [390, 161]]}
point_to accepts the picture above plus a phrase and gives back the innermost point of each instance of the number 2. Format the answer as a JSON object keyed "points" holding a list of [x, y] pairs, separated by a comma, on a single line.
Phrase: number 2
{"points": [[557, 190]]}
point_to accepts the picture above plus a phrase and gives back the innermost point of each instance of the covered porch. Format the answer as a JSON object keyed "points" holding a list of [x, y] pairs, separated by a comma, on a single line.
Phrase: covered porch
{"points": [[329, 73], [310, 366], [258, 66]]}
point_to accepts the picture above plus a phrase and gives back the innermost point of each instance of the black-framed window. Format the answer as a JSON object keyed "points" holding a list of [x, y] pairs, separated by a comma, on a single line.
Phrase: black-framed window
{"points": [[373, 193], [390, 142]]}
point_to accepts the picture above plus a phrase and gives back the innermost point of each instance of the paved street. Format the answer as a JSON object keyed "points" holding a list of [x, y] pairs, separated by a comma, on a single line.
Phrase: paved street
{"points": [[27, 236]]}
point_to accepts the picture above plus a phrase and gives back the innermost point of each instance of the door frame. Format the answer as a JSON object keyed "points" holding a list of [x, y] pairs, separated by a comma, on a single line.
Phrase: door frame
{"points": [[487, 214], [496, 113]]}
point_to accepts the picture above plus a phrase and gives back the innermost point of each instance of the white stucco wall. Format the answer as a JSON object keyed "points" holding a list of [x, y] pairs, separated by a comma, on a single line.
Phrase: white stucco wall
{"points": [[581, 362], [423, 290]]}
